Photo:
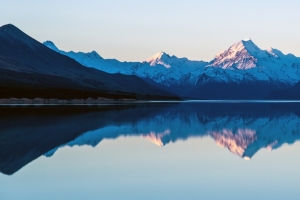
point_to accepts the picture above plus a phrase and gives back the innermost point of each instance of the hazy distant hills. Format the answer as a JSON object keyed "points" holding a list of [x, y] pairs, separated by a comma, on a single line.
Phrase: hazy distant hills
{"points": [[244, 71], [29, 69]]}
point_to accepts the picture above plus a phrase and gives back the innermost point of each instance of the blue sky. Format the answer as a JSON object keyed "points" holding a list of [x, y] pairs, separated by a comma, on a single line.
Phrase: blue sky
{"points": [[134, 30]]}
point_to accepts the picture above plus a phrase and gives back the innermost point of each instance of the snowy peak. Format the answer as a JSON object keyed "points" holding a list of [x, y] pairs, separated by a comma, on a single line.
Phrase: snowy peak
{"points": [[239, 46], [274, 52], [167, 61], [247, 45], [278, 54], [246, 61], [160, 58], [50, 45], [242, 55]]}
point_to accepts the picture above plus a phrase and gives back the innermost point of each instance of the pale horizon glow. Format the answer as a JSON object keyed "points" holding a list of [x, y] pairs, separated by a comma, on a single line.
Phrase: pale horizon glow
{"points": [[135, 30]]}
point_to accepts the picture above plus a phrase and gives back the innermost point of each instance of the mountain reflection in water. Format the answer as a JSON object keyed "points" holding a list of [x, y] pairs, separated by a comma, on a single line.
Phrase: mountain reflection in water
{"points": [[28, 132]]}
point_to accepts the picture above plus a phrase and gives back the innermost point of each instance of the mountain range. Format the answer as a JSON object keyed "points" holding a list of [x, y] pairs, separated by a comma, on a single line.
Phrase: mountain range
{"points": [[28, 69], [244, 71]]}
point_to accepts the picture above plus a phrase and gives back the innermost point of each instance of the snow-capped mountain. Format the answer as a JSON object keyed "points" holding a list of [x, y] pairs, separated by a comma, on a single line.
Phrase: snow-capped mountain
{"points": [[239, 56], [170, 70], [173, 62], [244, 71], [245, 61], [161, 68]]}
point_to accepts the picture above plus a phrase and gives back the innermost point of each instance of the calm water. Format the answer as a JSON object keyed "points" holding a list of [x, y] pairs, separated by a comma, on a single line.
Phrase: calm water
{"points": [[193, 150]]}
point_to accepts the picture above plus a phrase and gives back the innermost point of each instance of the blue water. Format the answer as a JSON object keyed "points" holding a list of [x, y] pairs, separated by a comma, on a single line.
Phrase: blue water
{"points": [[195, 150]]}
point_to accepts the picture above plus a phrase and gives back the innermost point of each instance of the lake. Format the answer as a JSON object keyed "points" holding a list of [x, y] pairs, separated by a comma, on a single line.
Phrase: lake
{"points": [[151, 150]]}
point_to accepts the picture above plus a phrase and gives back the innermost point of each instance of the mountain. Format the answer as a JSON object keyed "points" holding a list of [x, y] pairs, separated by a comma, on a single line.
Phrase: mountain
{"points": [[171, 71], [242, 55], [29, 69], [247, 61], [244, 71], [162, 70]]}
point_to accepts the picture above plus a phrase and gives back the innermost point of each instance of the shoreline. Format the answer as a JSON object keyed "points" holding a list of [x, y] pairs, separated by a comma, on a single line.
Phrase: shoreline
{"points": [[108, 101], [89, 101], [54, 101]]}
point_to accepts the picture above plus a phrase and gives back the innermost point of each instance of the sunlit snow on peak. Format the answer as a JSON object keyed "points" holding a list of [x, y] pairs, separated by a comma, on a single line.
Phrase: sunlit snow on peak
{"points": [[157, 56], [247, 39], [238, 56], [271, 52], [160, 58], [242, 55]]}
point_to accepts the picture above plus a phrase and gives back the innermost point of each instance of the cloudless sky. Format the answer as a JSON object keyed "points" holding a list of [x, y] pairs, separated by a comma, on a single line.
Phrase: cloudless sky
{"points": [[134, 30]]}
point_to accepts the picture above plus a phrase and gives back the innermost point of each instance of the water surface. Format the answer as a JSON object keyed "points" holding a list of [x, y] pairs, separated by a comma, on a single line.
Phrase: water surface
{"points": [[206, 150]]}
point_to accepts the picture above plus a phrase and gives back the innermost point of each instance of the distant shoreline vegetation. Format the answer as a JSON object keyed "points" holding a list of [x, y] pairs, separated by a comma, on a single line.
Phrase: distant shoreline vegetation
{"points": [[54, 101]]}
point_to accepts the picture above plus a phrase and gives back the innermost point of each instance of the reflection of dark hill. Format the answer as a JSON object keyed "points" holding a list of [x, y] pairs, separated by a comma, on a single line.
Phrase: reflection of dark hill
{"points": [[29, 132], [30, 69]]}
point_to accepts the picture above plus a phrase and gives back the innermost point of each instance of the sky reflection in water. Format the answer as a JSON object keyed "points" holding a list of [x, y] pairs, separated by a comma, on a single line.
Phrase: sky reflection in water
{"points": [[162, 151]]}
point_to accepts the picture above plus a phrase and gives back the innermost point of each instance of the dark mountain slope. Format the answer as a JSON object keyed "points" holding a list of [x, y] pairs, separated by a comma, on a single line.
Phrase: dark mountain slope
{"points": [[291, 93], [231, 90]]}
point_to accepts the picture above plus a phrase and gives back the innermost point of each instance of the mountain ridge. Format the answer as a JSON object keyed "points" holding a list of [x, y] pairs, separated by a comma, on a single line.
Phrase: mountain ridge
{"points": [[244, 66]]}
